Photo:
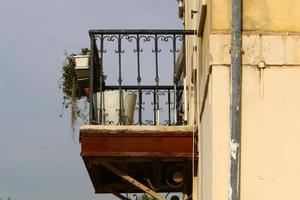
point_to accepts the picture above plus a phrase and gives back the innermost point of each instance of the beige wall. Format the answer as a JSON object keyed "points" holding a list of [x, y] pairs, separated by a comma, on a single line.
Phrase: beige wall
{"points": [[259, 15], [271, 133], [270, 150], [221, 136], [270, 147], [206, 152]]}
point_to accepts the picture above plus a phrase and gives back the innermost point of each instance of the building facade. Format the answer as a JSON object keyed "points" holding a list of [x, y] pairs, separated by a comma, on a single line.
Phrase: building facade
{"points": [[270, 125]]}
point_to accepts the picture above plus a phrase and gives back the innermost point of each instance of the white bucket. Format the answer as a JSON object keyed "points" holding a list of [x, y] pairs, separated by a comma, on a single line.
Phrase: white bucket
{"points": [[111, 104]]}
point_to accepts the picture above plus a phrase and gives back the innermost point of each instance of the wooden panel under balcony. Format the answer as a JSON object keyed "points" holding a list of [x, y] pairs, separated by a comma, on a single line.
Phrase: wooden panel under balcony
{"points": [[146, 153]]}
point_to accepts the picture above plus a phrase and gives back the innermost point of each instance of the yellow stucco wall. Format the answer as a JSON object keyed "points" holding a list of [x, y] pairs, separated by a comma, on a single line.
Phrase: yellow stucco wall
{"points": [[220, 134], [270, 159], [259, 15], [214, 140], [206, 153], [205, 126], [270, 150], [270, 147]]}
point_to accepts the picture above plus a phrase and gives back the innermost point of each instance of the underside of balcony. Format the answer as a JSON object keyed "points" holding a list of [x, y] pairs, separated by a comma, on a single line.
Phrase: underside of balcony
{"points": [[155, 158]]}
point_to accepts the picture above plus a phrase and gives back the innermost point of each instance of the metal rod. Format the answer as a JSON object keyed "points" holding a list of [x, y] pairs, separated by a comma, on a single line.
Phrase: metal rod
{"points": [[184, 81], [154, 106], [142, 31], [101, 80], [91, 116], [169, 107], [174, 80], [139, 79], [120, 196], [140, 106], [236, 68], [143, 87], [120, 80], [184, 55], [156, 50]]}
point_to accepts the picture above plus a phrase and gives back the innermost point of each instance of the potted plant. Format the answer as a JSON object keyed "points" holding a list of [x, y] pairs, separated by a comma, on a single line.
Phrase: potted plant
{"points": [[75, 86], [82, 64], [73, 90]]}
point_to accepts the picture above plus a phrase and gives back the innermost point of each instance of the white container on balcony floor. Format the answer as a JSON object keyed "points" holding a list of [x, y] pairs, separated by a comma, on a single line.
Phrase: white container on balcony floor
{"points": [[111, 102], [82, 67]]}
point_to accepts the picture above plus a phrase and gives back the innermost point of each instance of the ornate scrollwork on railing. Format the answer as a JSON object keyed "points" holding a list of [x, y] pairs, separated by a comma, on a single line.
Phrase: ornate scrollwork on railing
{"points": [[146, 108], [144, 196], [155, 104]]}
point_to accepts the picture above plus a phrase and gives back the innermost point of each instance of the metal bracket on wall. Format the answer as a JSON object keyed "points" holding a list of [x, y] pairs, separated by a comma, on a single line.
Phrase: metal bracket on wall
{"points": [[120, 196], [131, 180], [193, 12]]}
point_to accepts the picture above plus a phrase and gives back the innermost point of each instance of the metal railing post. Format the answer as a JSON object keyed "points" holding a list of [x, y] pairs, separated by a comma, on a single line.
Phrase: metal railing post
{"points": [[91, 109]]}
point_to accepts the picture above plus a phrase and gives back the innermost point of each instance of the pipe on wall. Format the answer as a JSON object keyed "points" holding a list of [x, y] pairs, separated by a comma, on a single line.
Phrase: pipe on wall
{"points": [[236, 74]]}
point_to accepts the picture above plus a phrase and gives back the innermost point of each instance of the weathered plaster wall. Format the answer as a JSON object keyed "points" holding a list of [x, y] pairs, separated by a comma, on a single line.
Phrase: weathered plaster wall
{"points": [[270, 100], [220, 134], [270, 149], [259, 15], [269, 49], [270, 133], [214, 142], [205, 133], [206, 152], [270, 115]]}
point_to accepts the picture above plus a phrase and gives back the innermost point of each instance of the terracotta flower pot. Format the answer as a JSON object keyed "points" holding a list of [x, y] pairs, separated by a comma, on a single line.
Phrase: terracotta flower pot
{"points": [[86, 91]]}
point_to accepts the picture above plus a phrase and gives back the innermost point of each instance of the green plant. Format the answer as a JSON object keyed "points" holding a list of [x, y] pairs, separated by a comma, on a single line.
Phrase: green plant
{"points": [[85, 51], [145, 197], [72, 92]]}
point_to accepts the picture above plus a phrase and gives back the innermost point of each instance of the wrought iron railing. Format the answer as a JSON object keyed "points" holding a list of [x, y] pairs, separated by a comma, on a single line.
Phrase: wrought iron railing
{"points": [[140, 65]]}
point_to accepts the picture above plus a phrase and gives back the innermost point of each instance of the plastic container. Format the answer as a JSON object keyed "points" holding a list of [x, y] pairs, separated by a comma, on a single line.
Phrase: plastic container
{"points": [[111, 101]]}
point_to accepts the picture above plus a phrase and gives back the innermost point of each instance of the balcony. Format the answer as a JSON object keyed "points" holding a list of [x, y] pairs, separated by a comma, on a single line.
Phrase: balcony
{"points": [[137, 139]]}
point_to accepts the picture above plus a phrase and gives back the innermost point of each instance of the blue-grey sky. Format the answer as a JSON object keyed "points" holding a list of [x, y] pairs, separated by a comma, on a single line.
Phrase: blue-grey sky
{"points": [[39, 160]]}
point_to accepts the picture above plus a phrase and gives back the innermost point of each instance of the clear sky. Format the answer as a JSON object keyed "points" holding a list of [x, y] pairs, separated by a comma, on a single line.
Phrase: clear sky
{"points": [[39, 160]]}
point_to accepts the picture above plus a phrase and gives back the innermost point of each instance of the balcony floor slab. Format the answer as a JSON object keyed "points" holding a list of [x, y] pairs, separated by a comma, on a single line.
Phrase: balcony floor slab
{"points": [[146, 152], [138, 141]]}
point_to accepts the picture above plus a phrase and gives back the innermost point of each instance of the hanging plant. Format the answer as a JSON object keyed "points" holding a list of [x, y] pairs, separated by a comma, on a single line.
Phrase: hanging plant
{"points": [[72, 92]]}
